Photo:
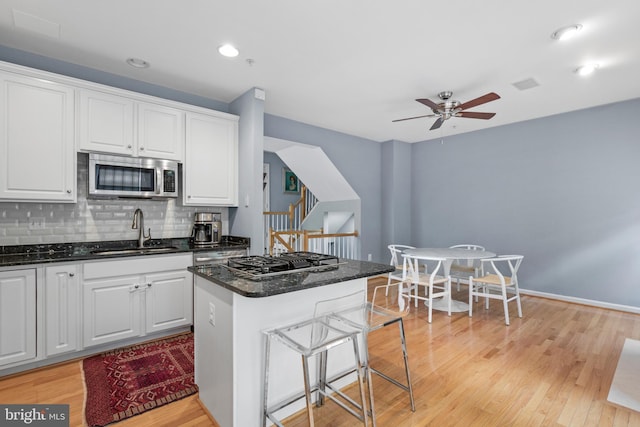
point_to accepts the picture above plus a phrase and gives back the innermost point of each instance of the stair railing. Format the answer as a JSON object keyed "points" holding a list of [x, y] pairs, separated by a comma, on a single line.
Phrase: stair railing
{"points": [[342, 245], [288, 220]]}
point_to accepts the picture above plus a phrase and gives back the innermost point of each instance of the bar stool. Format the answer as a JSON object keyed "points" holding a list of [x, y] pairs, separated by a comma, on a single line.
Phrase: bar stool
{"points": [[315, 337], [372, 316]]}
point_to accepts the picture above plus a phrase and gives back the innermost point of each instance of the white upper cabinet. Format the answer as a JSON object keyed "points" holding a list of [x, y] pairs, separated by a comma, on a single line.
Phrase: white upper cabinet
{"points": [[210, 172], [160, 132], [37, 154], [117, 124], [106, 123]]}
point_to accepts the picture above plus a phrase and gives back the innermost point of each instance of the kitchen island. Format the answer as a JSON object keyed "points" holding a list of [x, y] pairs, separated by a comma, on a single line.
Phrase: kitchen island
{"points": [[232, 311]]}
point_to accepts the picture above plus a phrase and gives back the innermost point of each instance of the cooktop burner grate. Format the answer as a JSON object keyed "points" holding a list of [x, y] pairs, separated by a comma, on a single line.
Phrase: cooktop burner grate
{"points": [[258, 267]]}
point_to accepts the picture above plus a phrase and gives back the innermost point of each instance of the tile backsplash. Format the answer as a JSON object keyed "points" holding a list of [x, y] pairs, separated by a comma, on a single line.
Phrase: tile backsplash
{"points": [[93, 219]]}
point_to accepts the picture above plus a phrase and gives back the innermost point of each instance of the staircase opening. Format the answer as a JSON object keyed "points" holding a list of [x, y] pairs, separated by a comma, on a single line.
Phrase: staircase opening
{"points": [[326, 217]]}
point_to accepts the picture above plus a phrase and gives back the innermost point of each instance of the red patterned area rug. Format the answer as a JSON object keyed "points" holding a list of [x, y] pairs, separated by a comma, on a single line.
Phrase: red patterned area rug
{"points": [[126, 382]]}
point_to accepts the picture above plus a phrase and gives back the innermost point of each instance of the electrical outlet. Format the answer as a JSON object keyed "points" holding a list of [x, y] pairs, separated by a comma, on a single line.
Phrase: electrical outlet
{"points": [[212, 314], [36, 223], [369, 258]]}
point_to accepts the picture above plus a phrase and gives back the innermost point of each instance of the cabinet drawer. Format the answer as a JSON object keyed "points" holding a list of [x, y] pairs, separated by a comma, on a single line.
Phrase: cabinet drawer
{"points": [[136, 265]]}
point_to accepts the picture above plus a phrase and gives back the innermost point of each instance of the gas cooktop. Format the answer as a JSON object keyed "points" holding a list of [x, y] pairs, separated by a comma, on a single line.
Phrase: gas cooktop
{"points": [[259, 267]]}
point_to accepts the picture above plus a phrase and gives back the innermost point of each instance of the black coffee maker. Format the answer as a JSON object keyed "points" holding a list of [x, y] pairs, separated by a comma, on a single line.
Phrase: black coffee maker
{"points": [[207, 229]]}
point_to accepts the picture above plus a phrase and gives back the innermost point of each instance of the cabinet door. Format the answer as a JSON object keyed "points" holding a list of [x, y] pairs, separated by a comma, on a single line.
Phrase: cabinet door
{"points": [[211, 161], [106, 123], [169, 298], [17, 316], [111, 309], [160, 132], [61, 309], [37, 154]]}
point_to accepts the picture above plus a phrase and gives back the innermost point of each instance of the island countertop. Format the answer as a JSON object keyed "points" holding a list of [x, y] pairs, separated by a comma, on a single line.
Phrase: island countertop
{"points": [[292, 281]]}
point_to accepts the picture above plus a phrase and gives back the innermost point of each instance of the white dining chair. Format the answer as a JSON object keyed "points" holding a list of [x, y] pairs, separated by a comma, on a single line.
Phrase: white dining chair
{"points": [[433, 279], [396, 261], [462, 268], [498, 279]]}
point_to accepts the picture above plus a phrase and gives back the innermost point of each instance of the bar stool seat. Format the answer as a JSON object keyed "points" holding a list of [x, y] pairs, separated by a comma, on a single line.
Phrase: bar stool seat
{"points": [[315, 337]]}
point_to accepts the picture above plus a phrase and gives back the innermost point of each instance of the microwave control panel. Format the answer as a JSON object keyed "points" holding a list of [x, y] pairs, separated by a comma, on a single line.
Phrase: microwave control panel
{"points": [[169, 181]]}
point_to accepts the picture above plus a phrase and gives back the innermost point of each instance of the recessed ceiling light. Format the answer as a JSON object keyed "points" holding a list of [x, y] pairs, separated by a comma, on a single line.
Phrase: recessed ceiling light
{"points": [[228, 50], [138, 63], [586, 69], [565, 33]]}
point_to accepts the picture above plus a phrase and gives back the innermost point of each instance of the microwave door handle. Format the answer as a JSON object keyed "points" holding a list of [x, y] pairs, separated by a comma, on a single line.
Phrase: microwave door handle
{"points": [[158, 180]]}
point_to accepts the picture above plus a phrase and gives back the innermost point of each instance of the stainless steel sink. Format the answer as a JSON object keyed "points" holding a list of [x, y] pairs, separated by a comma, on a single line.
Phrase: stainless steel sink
{"points": [[136, 251]]}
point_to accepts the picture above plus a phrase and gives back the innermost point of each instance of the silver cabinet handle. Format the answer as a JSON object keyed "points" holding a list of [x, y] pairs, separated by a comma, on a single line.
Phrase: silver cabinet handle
{"points": [[71, 274], [149, 285], [68, 191], [206, 259]]}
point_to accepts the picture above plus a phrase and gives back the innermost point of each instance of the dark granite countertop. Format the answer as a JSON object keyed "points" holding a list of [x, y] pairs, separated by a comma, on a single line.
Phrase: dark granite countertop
{"points": [[82, 251], [347, 270]]}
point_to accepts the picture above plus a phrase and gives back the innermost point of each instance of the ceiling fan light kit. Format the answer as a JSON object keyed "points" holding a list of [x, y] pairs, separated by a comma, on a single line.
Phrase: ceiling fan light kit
{"points": [[451, 108]]}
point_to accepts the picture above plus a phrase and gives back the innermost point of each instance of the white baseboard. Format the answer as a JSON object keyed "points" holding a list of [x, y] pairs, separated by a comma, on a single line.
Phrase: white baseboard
{"points": [[583, 301], [575, 300]]}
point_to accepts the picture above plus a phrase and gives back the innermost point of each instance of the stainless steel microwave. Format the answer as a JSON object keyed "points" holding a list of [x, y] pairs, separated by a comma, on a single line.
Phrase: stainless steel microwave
{"points": [[134, 177]]}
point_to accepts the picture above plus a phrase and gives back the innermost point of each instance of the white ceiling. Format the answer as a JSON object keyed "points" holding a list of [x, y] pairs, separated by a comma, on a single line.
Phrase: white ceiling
{"points": [[351, 65]]}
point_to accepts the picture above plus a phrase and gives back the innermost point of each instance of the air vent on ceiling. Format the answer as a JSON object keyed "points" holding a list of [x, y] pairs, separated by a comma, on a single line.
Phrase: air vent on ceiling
{"points": [[526, 84]]}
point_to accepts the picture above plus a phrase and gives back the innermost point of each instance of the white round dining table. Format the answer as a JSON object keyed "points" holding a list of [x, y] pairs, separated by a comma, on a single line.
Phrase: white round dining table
{"points": [[449, 254]]}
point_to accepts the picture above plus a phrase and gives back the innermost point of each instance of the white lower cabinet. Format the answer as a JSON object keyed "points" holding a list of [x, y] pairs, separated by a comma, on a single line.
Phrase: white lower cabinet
{"points": [[169, 300], [17, 316], [149, 294], [111, 309], [61, 309]]}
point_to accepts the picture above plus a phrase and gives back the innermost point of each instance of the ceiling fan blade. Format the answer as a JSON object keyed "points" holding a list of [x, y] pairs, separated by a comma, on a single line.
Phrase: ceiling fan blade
{"points": [[411, 118], [429, 103], [474, 115], [491, 96], [437, 123]]}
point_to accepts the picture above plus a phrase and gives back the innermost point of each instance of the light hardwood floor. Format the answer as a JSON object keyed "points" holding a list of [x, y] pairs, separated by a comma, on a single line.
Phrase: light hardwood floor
{"points": [[553, 367]]}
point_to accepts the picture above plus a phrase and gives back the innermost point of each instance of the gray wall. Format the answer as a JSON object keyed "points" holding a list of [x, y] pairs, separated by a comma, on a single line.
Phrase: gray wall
{"points": [[279, 201], [357, 159], [564, 191], [397, 189]]}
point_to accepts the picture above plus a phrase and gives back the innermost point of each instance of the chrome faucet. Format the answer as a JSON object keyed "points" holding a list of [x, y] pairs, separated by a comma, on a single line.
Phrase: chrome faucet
{"points": [[138, 222]]}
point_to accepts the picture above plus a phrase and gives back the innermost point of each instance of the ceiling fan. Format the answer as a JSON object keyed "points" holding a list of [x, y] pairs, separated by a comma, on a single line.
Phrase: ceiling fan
{"points": [[450, 108]]}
